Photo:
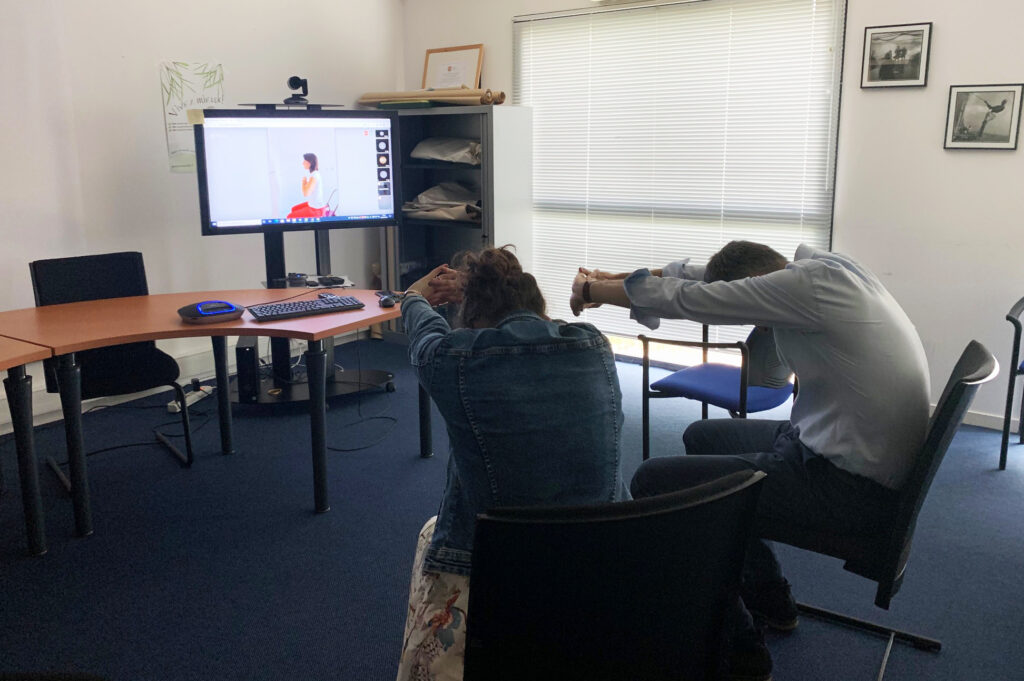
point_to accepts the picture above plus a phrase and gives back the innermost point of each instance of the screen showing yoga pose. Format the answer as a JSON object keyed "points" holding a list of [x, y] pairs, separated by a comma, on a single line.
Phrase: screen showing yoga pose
{"points": [[263, 171]]}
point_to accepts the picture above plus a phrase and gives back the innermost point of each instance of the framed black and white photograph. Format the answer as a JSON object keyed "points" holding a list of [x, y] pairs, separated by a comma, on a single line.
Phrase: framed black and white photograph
{"points": [[983, 116], [896, 56]]}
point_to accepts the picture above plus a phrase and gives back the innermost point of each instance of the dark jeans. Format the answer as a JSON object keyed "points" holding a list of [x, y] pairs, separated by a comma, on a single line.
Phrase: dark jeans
{"points": [[801, 489]]}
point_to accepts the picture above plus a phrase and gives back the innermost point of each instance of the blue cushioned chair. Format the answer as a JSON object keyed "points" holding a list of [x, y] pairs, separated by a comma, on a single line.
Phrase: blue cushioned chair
{"points": [[761, 382], [1015, 369]]}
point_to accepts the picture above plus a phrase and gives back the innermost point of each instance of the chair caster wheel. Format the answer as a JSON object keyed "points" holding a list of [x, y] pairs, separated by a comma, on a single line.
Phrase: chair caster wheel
{"points": [[389, 387]]}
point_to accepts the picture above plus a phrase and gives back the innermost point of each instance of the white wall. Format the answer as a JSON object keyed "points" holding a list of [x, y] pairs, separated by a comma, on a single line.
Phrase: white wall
{"points": [[444, 23], [83, 157], [941, 228]]}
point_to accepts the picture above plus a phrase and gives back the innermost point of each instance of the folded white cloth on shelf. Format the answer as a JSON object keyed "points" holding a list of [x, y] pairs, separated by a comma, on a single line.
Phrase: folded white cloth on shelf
{"points": [[451, 149], [446, 201]]}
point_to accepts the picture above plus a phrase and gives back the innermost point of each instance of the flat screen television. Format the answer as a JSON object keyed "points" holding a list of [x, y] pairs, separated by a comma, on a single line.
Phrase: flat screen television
{"points": [[270, 171]]}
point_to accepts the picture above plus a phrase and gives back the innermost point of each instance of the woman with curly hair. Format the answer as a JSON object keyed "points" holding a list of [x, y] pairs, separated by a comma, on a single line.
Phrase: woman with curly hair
{"points": [[504, 383]]}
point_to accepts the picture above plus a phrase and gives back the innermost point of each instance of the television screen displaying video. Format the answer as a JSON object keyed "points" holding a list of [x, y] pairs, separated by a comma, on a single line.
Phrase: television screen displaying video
{"points": [[285, 170]]}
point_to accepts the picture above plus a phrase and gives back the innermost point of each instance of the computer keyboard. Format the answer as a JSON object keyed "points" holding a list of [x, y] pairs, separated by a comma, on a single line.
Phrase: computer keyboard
{"points": [[303, 308]]}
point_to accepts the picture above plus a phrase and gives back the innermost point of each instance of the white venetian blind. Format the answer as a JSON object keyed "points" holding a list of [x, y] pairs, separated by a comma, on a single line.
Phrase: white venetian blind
{"points": [[666, 131]]}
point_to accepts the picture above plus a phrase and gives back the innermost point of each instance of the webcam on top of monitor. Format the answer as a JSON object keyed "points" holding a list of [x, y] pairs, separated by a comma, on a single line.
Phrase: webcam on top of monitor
{"points": [[296, 83]]}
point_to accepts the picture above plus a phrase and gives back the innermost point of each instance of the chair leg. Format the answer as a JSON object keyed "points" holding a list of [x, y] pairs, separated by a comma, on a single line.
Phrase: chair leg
{"points": [[186, 458], [919, 642], [63, 479], [1020, 424], [646, 425], [1004, 444], [646, 404]]}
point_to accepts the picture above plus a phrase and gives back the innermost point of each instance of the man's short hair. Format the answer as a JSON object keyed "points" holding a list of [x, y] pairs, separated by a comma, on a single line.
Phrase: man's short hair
{"points": [[741, 259]]}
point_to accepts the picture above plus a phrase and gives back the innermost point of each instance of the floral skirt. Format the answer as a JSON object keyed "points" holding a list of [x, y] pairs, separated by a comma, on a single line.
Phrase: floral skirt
{"points": [[434, 645]]}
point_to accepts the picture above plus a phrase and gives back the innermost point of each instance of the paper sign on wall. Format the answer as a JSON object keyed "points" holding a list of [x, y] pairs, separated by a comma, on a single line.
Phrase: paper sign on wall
{"points": [[184, 86]]}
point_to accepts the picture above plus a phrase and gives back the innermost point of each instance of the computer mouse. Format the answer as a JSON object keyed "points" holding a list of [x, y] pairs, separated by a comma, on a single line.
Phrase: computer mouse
{"points": [[387, 301]]}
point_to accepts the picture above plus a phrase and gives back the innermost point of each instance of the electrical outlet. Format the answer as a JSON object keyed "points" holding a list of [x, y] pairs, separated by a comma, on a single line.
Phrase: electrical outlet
{"points": [[190, 398]]}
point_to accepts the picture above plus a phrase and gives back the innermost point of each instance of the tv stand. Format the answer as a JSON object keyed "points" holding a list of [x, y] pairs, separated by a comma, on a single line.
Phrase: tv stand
{"points": [[282, 386]]}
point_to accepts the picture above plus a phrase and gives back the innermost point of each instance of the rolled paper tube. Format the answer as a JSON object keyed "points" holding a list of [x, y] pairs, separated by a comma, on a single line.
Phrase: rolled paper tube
{"points": [[459, 100], [464, 96], [420, 94]]}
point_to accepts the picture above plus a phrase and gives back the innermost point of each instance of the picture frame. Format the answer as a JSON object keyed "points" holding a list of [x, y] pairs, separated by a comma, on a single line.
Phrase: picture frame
{"points": [[896, 56], [453, 67], [983, 116]]}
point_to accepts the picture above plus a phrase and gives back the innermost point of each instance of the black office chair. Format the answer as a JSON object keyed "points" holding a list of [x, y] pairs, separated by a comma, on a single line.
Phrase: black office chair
{"points": [[119, 369], [1015, 369], [761, 382], [631, 590], [883, 557]]}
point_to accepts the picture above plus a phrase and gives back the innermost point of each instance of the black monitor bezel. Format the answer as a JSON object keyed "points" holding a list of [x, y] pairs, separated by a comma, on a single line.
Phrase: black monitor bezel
{"points": [[204, 198]]}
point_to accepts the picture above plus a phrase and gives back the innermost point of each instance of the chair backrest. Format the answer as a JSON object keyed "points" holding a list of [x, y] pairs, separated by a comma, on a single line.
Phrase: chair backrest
{"points": [[88, 277], [764, 367], [975, 366], [631, 590]]}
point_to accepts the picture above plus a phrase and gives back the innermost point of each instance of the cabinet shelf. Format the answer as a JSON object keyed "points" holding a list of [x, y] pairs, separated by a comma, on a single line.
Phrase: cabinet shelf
{"points": [[414, 222], [417, 164]]}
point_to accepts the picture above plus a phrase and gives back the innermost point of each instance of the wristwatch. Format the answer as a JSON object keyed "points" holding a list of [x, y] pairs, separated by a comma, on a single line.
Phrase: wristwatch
{"points": [[585, 293]]}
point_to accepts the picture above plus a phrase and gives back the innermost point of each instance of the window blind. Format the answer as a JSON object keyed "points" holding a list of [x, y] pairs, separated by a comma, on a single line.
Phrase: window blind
{"points": [[666, 131]]}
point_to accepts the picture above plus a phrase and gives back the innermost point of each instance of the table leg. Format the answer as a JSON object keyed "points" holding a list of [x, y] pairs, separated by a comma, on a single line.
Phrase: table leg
{"points": [[19, 398], [426, 445], [220, 365], [316, 374], [69, 378]]}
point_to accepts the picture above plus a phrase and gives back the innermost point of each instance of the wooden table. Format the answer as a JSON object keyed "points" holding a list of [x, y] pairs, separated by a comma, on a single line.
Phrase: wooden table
{"points": [[73, 327], [14, 355]]}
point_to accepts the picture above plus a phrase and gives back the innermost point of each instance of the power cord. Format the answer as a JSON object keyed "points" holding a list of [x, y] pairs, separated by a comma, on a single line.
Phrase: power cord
{"points": [[155, 429], [382, 416]]}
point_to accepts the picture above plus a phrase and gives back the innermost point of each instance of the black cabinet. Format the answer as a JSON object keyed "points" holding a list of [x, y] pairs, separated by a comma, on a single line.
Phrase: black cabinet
{"points": [[503, 181]]}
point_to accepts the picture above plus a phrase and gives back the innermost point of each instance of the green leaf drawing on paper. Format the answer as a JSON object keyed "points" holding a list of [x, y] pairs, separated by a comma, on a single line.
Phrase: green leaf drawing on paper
{"points": [[212, 76], [176, 77]]}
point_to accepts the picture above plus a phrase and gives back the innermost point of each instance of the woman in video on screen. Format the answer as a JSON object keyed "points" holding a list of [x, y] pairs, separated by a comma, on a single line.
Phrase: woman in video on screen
{"points": [[312, 189], [502, 383]]}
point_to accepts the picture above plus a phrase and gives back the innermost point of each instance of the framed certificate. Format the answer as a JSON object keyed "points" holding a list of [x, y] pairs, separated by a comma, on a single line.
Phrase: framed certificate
{"points": [[453, 67]]}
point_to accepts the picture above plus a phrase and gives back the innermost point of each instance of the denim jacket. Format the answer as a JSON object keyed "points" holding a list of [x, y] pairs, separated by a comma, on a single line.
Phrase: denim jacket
{"points": [[534, 417]]}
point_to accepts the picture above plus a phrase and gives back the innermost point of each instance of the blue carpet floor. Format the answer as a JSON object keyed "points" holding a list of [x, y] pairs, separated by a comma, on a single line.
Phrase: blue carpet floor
{"points": [[224, 572]]}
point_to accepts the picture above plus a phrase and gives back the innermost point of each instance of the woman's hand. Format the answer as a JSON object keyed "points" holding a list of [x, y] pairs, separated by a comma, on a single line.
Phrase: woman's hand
{"points": [[307, 185], [422, 286], [446, 287]]}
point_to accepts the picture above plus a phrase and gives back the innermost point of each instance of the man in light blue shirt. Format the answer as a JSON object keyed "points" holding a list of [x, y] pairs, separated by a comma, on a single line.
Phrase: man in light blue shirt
{"points": [[858, 421]]}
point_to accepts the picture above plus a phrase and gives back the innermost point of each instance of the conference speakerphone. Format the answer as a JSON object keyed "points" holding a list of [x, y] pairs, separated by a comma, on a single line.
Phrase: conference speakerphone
{"points": [[210, 311], [304, 308]]}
